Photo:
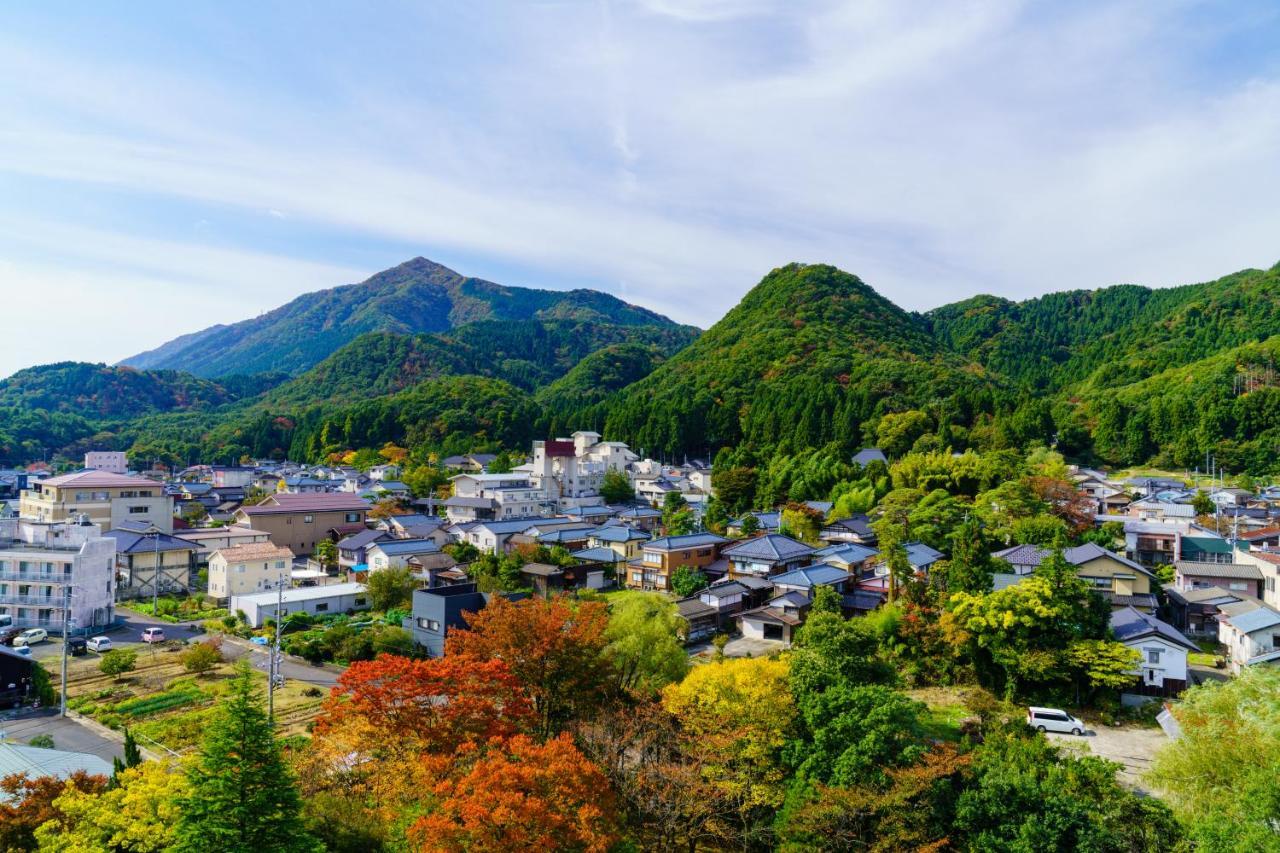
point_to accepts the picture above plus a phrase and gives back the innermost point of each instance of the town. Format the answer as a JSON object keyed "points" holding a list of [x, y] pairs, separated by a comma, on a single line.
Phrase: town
{"points": [[936, 589]]}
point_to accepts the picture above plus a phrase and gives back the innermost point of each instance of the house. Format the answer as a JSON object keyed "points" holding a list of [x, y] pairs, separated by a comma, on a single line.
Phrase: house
{"points": [[227, 476], [471, 463], [701, 620], [1234, 577], [55, 571], [855, 530], [766, 522], [353, 549], [438, 611], [1195, 612], [1250, 631], [807, 580], [776, 620], [300, 522], [386, 472], [111, 461], [1150, 509], [1151, 485], [730, 598], [625, 541], [243, 569], [1154, 543], [495, 536], [316, 600], [1120, 580], [107, 499], [867, 455], [1230, 497], [395, 554], [17, 677], [767, 555], [1163, 668], [852, 558], [303, 486], [547, 579], [1263, 537], [143, 554], [1268, 564], [921, 557], [390, 488], [595, 514], [641, 517], [209, 539], [660, 558], [35, 761]]}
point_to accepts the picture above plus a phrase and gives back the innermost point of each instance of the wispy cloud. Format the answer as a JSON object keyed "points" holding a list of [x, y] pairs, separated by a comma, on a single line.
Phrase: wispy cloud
{"points": [[669, 150]]}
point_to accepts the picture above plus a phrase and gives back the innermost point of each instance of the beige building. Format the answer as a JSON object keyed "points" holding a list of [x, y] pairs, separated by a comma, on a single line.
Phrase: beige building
{"points": [[300, 522], [247, 569], [109, 500], [210, 539]]}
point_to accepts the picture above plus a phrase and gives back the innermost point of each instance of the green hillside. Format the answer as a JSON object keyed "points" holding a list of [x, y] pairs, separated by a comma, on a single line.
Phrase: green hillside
{"points": [[416, 296], [809, 356]]}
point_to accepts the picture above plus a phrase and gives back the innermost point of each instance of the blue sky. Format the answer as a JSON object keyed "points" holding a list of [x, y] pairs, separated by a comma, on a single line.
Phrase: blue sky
{"points": [[167, 166]]}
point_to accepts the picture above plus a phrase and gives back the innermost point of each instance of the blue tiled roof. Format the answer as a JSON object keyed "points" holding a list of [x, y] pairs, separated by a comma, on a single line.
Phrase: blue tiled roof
{"points": [[691, 540], [1129, 623], [619, 533], [821, 574], [398, 547], [849, 553], [598, 555], [771, 546]]}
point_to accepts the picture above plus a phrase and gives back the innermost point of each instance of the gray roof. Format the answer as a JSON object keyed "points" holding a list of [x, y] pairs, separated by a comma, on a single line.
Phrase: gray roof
{"points": [[361, 539], [133, 542], [725, 589], [406, 547], [867, 455], [597, 555], [619, 533], [1257, 619], [846, 553], [921, 555], [1241, 571], [1129, 624], [811, 576], [476, 503], [33, 761], [691, 540], [773, 547]]}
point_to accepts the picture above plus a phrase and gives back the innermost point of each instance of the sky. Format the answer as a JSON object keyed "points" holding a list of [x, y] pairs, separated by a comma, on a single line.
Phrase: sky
{"points": [[167, 166]]}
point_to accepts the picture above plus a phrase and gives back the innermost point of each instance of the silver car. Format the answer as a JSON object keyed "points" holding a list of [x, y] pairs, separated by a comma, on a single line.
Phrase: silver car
{"points": [[1054, 720]]}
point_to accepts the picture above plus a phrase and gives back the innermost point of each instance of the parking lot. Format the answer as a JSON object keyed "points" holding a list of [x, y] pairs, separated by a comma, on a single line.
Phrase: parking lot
{"points": [[66, 733], [1132, 747]]}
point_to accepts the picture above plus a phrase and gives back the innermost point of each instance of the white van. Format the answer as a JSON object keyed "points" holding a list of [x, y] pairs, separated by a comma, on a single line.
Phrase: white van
{"points": [[1054, 720]]}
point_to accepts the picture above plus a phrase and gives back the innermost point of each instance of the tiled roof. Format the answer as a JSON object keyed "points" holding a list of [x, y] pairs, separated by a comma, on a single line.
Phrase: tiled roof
{"points": [[255, 551], [99, 479], [771, 546], [867, 455], [361, 539], [401, 547], [846, 553], [597, 555], [306, 503], [1257, 619], [921, 555], [811, 576], [619, 533], [1218, 570], [1131, 624], [134, 542]]}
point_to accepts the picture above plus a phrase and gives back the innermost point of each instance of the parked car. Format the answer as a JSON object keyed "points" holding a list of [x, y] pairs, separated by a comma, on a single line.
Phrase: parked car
{"points": [[1054, 720], [77, 646], [153, 635], [99, 644], [30, 637], [8, 635]]}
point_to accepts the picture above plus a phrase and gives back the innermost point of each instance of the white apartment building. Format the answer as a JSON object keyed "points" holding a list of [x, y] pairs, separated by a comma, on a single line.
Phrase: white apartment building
{"points": [[43, 565], [571, 470], [111, 461], [486, 497]]}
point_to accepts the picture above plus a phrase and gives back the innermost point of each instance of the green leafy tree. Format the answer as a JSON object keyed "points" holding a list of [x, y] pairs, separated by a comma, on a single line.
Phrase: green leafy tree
{"points": [[1202, 503], [686, 581], [501, 463], [643, 644], [826, 600], [117, 662], [202, 657], [856, 733], [750, 525], [896, 432], [616, 487], [970, 568], [326, 553], [802, 522], [735, 487], [391, 587], [242, 793]]}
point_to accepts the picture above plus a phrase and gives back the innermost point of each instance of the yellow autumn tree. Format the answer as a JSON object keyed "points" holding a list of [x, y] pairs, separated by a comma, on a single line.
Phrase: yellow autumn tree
{"points": [[735, 717], [139, 815]]}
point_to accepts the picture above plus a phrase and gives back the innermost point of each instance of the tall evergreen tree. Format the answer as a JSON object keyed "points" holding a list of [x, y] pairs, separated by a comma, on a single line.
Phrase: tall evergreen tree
{"points": [[243, 797], [970, 568]]}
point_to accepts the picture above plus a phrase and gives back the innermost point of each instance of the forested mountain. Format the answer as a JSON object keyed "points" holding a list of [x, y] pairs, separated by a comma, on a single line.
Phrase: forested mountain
{"points": [[806, 358], [416, 296]]}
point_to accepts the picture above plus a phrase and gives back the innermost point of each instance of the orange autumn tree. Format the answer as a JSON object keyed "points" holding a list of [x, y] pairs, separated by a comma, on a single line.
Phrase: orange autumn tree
{"points": [[29, 801], [527, 796], [554, 648], [390, 730]]}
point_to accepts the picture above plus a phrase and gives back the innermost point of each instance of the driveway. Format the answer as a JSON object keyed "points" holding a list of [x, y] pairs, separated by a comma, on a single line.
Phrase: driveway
{"points": [[1132, 747]]}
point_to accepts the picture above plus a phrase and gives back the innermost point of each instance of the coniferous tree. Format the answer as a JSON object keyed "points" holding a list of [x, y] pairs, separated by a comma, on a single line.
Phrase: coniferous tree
{"points": [[243, 796]]}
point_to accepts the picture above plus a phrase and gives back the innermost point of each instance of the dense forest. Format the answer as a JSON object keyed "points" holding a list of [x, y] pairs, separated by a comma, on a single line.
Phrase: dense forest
{"points": [[812, 359]]}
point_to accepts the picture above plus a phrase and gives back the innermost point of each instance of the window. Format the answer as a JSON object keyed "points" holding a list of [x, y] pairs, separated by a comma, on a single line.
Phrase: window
{"points": [[353, 517], [240, 569], [1153, 655], [360, 601], [1238, 585], [279, 564], [307, 519], [137, 510], [322, 607]]}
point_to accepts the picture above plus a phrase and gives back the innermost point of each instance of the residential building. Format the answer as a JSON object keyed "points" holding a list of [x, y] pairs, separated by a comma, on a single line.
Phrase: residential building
{"points": [[396, 553], [107, 499], [767, 555], [1204, 549], [1163, 668], [855, 530], [867, 455], [245, 569], [150, 562], [806, 581], [353, 549], [1268, 564], [111, 461], [625, 541], [1250, 631], [1195, 612], [210, 539], [1244, 578], [766, 522], [226, 476], [483, 497], [661, 557], [1118, 579], [777, 620], [316, 600], [440, 610], [641, 517], [300, 522], [850, 557], [37, 761], [44, 565], [471, 463]]}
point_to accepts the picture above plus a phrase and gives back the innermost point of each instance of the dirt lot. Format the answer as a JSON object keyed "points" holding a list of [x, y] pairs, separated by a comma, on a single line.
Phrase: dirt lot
{"points": [[1133, 747]]}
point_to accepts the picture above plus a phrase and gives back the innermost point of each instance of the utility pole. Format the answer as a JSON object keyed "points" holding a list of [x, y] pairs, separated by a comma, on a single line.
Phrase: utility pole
{"points": [[273, 662], [66, 636], [155, 576]]}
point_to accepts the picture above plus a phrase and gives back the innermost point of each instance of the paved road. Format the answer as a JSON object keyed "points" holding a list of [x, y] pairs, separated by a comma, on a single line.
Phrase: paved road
{"points": [[292, 668], [1132, 747], [67, 734]]}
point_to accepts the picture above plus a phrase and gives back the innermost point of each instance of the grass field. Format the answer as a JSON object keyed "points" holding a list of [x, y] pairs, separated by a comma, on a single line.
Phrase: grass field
{"points": [[166, 706], [947, 707]]}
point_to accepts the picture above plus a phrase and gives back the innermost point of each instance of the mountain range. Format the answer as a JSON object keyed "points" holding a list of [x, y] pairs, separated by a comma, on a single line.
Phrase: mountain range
{"points": [[812, 357]]}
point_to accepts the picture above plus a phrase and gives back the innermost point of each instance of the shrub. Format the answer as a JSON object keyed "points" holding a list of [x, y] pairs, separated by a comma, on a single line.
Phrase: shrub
{"points": [[203, 657], [117, 662], [42, 741]]}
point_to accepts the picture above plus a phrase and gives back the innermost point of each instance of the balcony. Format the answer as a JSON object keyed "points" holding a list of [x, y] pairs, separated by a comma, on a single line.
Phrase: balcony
{"points": [[32, 600], [35, 577]]}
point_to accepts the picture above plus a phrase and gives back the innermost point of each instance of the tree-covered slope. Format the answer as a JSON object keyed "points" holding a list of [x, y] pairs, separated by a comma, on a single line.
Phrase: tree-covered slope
{"points": [[416, 296], [1113, 336], [806, 358]]}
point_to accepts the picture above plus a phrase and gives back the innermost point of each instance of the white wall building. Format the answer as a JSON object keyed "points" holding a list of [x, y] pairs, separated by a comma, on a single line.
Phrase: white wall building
{"points": [[40, 562], [483, 497], [316, 600], [113, 461], [571, 470]]}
